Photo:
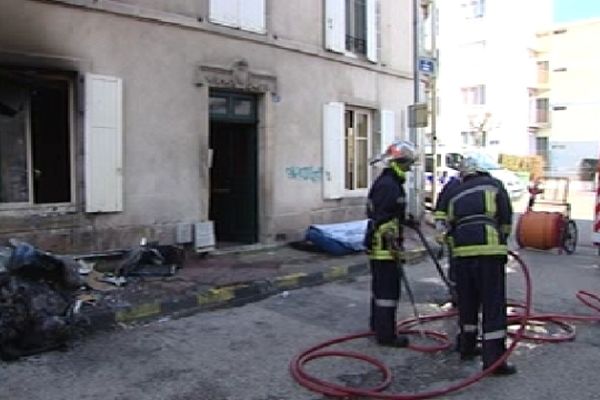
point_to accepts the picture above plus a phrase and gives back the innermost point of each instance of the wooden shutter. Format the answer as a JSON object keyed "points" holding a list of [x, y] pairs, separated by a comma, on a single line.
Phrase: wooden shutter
{"points": [[335, 25], [388, 129], [252, 15], [333, 150], [372, 30], [224, 12], [103, 144]]}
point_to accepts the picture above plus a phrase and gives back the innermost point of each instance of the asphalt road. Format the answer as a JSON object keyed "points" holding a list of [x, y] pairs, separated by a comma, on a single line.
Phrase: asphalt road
{"points": [[243, 353]]}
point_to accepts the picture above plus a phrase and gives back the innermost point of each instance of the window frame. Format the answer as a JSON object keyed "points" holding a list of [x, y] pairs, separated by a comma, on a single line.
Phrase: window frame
{"points": [[354, 190], [237, 21], [474, 95], [350, 21], [30, 205]]}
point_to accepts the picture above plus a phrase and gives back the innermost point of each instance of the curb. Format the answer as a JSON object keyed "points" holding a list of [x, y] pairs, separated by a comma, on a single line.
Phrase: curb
{"points": [[229, 296]]}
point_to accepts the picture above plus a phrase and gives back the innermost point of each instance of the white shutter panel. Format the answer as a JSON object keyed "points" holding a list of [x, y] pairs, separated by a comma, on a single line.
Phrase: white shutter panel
{"points": [[103, 144], [372, 30], [224, 12], [388, 129], [333, 150], [335, 25], [252, 15]]}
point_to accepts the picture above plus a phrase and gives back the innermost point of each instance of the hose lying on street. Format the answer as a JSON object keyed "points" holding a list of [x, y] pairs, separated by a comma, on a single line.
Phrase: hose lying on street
{"points": [[407, 326]]}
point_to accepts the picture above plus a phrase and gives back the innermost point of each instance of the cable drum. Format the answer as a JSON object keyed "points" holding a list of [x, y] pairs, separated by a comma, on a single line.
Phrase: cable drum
{"points": [[540, 230]]}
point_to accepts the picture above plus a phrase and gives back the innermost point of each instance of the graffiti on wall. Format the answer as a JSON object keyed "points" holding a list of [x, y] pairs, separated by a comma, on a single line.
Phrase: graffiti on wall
{"points": [[312, 174]]}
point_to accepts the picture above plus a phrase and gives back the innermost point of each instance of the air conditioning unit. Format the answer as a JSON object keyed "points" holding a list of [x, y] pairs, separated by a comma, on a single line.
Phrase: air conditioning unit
{"points": [[204, 236]]}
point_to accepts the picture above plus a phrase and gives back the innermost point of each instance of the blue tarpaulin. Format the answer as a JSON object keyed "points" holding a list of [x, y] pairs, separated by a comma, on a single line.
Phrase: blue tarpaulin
{"points": [[338, 239]]}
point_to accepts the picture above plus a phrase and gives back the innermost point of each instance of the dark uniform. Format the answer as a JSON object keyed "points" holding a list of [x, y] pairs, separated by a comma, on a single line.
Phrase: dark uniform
{"points": [[441, 216], [386, 212], [478, 214]]}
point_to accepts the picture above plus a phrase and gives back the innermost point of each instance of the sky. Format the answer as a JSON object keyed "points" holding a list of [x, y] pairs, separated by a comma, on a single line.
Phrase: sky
{"points": [[573, 10]]}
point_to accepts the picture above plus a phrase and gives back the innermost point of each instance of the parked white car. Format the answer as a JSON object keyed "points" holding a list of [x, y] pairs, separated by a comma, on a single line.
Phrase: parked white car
{"points": [[447, 166]]}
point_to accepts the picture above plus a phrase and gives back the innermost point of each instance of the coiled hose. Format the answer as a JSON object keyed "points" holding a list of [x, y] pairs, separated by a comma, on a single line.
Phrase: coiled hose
{"points": [[442, 342]]}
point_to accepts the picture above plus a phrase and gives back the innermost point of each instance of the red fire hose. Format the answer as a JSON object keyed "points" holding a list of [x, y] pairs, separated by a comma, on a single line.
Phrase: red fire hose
{"points": [[442, 342]]}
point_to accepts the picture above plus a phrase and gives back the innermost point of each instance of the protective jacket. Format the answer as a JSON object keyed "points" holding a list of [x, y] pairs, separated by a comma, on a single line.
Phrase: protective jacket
{"points": [[386, 210], [478, 214]]}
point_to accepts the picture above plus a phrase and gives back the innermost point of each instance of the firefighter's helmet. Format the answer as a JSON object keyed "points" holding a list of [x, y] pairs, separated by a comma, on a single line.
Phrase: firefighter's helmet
{"points": [[471, 165], [400, 151]]}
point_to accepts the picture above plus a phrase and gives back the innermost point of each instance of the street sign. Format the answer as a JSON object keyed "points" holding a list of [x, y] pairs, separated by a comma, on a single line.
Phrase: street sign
{"points": [[427, 65]]}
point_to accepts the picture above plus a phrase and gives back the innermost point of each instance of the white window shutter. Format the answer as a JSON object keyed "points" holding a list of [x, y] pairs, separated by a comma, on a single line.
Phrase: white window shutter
{"points": [[103, 143], [335, 25], [252, 15], [372, 30], [388, 129], [224, 12], [333, 150]]}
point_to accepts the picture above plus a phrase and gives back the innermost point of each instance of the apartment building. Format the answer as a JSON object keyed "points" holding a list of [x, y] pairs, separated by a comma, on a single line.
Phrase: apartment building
{"points": [[569, 107], [180, 120], [488, 73]]}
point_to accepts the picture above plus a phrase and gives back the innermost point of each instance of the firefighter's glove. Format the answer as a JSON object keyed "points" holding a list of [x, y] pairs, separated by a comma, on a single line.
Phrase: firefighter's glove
{"points": [[440, 232]]}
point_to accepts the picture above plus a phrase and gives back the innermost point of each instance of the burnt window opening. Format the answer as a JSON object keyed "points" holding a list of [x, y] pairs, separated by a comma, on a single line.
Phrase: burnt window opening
{"points": [[35, 137]]}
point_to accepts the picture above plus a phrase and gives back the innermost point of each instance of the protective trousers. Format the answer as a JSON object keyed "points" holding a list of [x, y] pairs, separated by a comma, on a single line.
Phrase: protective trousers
{"points": [[385, 292], [481, 282]]}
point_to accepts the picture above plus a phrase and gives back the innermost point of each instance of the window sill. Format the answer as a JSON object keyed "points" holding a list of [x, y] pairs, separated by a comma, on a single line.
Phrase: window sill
{"points": [[29, 209], [356, 193]]}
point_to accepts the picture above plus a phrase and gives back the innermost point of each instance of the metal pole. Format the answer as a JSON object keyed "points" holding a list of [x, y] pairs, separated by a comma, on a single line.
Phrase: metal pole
{"points": [[413, 201], [433, 82]]}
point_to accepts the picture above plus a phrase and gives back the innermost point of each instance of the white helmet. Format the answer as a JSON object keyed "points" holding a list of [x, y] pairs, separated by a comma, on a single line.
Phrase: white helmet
{"points": [[471, 165]]}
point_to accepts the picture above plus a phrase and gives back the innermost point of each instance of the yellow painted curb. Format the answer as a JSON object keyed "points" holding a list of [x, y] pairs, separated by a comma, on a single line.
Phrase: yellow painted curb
{"points": [[288, 280], [336, 272], [216, 295], [141, 311]]}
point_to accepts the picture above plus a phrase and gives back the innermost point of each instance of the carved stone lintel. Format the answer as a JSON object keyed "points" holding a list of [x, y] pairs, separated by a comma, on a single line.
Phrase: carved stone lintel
{"points": [[238, 76]]}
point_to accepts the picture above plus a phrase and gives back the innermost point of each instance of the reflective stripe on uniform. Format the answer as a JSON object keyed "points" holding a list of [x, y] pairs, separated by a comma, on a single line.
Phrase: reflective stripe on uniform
{"points": [[492, 237], [480, 250], [479, 188], [490, 203], [440, 215], [469, 328], [381, 255], [495, 335], [386, 303]]}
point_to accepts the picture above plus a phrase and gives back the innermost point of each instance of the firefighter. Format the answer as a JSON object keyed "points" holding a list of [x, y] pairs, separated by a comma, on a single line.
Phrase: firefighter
{"points": [[386, 210], [477, 214]]}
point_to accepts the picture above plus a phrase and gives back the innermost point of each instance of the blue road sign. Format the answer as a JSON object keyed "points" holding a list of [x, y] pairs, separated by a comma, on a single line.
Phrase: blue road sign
{"points": [[426, 65]]}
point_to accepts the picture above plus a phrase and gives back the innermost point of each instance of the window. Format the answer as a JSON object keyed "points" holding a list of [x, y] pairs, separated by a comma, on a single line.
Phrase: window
{"points": [[356, 26], [473, 8], [541, 110], [349, 143], [36, 149], [541, 147], [351, 27], [248, 15], [542, 71], [232, 106], [357, 138], [474, 95]]}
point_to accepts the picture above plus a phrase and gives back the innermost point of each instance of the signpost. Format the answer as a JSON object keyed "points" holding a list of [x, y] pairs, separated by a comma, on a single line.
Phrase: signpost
{"points": [[596, 231]]}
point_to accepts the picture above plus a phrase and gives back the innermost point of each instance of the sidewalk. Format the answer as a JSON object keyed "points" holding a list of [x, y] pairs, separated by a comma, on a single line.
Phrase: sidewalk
{"points": [[228, 279]]}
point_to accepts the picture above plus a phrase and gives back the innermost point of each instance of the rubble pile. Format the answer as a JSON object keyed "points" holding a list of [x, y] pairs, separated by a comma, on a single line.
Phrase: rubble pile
{"points": [[37, 300]]}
